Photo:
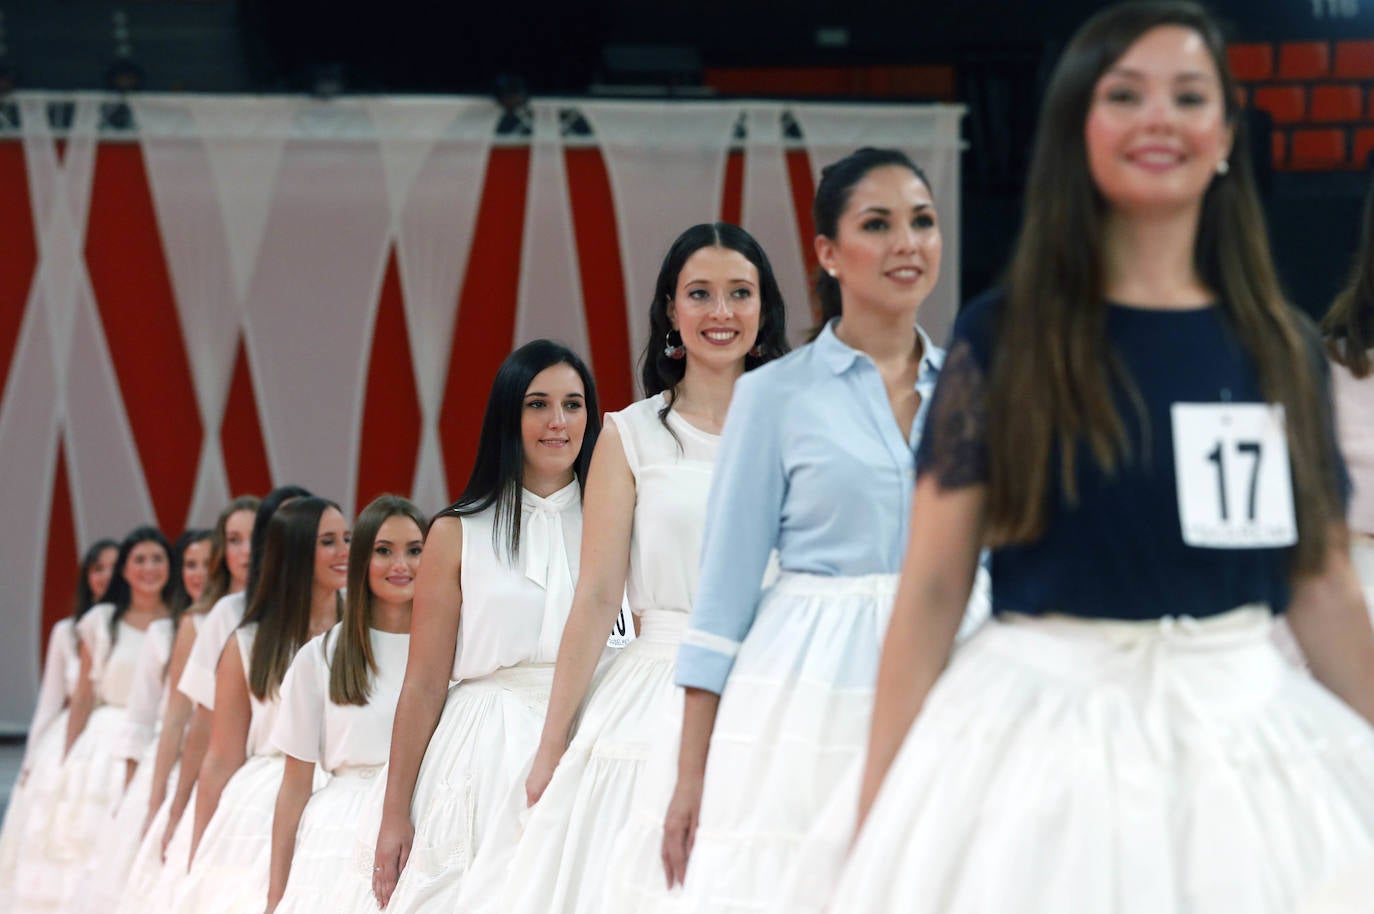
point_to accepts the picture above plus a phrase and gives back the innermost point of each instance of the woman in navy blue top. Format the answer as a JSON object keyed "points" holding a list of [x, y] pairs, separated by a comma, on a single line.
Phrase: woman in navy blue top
{"points": [[1140, 428]]}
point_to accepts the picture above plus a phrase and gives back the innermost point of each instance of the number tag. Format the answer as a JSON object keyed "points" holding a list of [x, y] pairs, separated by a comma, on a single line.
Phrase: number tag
{"points": [[1235, 490], [623, 632]]}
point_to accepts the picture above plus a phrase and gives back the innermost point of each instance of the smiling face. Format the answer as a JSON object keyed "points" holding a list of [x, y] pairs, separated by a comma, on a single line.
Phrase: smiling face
{"points": [[553, 420], [716, 307], [887, 244], [146, 569], [99, 574], [195, 568], [395, 560], [238, 537], [331, 550], [1157, 125]]}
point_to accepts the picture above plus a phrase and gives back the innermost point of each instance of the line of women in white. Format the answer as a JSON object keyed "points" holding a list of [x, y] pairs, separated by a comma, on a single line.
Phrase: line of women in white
{"points": [[797, 726]]}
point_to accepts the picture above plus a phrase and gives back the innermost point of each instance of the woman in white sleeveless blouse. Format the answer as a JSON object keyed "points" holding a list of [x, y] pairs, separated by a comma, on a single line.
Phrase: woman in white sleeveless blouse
{"points": [[716, 312], [492, 595], [304, 564]]}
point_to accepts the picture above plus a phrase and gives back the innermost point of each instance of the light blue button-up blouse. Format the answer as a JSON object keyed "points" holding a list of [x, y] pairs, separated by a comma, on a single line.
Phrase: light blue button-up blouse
{"points": [[813, 464]]}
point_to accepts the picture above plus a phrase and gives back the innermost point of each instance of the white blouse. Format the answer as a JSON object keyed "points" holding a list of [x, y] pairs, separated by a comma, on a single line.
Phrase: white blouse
{"points": [[112, 661], [672, 481], [514, 615], [198, 679], [312, 728], [147, 695]]}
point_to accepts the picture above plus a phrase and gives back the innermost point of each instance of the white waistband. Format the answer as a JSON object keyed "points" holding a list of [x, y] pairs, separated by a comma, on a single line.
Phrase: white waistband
{"points": [[1242, 625], [522, 675], [663, 626], [868, 585], [366, 772]]}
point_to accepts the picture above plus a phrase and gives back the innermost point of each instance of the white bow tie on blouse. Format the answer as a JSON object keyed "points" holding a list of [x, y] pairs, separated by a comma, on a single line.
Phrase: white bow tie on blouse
{"points": [[544, 555]]}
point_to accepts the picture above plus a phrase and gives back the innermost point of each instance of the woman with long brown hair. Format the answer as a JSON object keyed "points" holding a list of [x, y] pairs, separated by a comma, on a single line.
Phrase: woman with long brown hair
{"points": [[1140, 427], [338, 701]]}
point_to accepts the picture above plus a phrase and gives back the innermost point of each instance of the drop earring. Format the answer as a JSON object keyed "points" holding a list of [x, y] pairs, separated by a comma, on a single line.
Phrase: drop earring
{"points": [[678, 351]]}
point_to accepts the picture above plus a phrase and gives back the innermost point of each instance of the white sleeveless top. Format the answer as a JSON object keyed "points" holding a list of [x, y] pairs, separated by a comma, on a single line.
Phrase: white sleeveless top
{"points": [[112, 664], [513, 615], [1354, 401], [147, 694], [672, 481], [264, 712], [312, 728], [198, 679]]}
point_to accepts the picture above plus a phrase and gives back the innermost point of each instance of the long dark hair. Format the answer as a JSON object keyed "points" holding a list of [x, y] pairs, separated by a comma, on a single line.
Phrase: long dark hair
{"points": [[1349, 324], [85, 599], [266, 508], [181, 599], [832, 196], [281, 603], [218, 581], [498, 474], [1053, 326], [119, 593], [350, 673], [657, 372]]}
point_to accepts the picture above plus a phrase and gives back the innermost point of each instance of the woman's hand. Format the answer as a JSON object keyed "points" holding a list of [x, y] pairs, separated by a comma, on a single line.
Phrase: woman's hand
{"points": [[394, 840], [541, 772], [680, 830]]}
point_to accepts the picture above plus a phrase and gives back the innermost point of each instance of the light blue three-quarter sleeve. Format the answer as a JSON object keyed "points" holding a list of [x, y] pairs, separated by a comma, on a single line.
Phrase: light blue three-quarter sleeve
{"points": [[743, 515]]}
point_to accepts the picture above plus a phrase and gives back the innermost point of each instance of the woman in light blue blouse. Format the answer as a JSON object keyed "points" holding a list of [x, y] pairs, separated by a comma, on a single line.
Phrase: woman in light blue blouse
{"points": [[817, 462]]}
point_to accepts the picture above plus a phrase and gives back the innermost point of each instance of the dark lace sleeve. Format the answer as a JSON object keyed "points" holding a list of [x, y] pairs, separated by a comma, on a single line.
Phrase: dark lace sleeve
{"points": [[954, 444]]}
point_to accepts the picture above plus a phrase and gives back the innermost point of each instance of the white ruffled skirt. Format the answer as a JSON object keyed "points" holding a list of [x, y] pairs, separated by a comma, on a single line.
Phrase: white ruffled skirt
{"points": [[566, 853], [484, 741], [792, 719], [35, 797], [229, 874], [145, 869], [71, 801], [327, 875], [108, 870], [1168, 767]]}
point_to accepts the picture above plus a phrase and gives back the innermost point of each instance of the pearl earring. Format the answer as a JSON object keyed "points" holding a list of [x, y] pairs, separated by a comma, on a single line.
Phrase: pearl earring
{"points": [[1223, 167]]}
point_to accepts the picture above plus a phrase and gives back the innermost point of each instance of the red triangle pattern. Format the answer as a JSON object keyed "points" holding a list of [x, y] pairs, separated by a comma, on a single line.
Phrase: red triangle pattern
{"points": [[63, 560], [732, 191], [803, 192], [133, 291], [603, 283], [485, 328], [240, 433], [18, 253], [392, 418]]}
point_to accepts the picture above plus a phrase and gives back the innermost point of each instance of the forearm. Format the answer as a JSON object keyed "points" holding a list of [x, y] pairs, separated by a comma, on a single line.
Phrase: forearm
{"points": [[698, 722], [192, 757], [169, 743], [1329, 618], [83, 702], [584, 638], [214, 775], [417, 714], [286, 819]]}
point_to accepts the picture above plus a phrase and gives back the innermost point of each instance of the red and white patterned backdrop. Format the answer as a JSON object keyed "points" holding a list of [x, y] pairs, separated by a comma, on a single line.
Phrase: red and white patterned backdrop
{"points": [[231, 292]]}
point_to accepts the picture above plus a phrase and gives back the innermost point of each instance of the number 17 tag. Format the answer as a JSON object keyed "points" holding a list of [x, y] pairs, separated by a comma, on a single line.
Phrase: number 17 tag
{"points": [[1235, 489]]}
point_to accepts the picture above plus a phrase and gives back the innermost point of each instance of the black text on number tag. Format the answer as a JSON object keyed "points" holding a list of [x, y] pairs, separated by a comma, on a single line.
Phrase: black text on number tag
{"points": [[1235, 489]]}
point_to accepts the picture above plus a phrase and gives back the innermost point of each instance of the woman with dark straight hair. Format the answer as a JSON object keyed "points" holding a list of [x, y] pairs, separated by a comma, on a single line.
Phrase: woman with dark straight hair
{"points": [[227, 574], [1349, 331], [91, 778], [1140, 427], [815, 463], [338, 702], [48, 728], [491, 598], [303, 565], [107, 871], [716, 312]]}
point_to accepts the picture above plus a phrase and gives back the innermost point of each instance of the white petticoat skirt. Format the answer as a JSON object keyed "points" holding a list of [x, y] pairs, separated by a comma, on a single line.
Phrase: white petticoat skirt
{"points": [[145, 869], [229, 874], [486, 736], [327, 876], [792, 719], [108, 870], [566, 852], [70, 803], [36, 797], [1097, 767]]}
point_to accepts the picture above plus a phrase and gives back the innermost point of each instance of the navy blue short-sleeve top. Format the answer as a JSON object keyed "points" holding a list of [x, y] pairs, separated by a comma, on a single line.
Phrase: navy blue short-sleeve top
{"points": [[1118, 552]]}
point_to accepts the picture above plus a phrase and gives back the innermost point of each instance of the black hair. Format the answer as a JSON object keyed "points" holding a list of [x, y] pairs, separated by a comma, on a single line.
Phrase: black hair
{"points": [[658, 372], [119, 592], [832, 196], [498, 474], [181, 600], [266, 508], [85, 598]]}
